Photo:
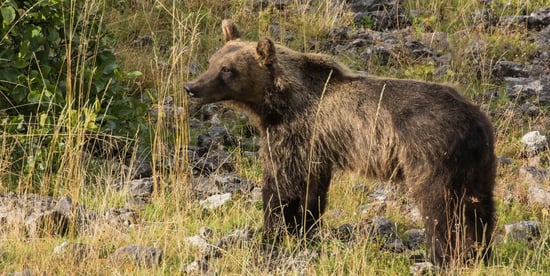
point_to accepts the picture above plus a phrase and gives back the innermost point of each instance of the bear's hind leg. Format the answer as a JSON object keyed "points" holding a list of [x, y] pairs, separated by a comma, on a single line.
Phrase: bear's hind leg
{"points": [[455, 224], [479, 222]]}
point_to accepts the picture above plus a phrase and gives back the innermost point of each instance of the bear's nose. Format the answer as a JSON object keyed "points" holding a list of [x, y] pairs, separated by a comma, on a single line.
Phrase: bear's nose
{"points": [[188, 90]]}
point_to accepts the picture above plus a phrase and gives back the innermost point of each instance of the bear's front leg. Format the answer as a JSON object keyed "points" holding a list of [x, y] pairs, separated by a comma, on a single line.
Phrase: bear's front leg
{"points": [[298, 212], [281, 212]]}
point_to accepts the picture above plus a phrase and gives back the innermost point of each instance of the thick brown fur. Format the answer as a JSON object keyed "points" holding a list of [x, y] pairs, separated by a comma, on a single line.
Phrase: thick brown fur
{"points": [[316, 116]]}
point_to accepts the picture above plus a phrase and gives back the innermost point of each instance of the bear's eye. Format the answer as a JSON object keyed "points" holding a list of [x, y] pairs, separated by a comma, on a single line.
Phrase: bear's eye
{"points": [[226, 69]]}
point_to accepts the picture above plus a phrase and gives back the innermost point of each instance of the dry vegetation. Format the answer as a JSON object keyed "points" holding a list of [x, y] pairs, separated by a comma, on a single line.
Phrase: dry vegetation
{"points": [[184, 34]]}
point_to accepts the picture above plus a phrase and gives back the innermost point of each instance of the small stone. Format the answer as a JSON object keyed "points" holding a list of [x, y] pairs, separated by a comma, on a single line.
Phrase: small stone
{"points": [[206, 233], [384, 227], [415, 238], [505, 68], [64, 206], [394, 245], [197, 267], [532, 175], [344, 232], [504, 161], [48, 223], [215, 201], [239, 235], [534, 141], [523, 231], [529, 109], [380, 228], [121, 217], [538, 196], [423, 268], [139, 255], [255, 195], [78, 252], [207, 250], [140, 192], [197, 241]]}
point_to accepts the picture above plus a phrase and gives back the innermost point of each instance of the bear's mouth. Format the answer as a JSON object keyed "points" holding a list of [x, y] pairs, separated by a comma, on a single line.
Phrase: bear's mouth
{"points": [[190, 92]]}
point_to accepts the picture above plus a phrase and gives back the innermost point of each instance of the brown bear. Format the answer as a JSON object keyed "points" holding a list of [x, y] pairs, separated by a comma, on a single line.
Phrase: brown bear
{"points": [[315, 116]]}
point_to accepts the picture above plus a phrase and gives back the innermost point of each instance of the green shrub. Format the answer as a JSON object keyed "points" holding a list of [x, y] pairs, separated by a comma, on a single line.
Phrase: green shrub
{"points": [[57, 74]]}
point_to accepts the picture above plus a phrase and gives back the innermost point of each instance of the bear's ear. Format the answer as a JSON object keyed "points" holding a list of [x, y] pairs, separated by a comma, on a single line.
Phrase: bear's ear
{"points": [[265, 51], [230, 31]]}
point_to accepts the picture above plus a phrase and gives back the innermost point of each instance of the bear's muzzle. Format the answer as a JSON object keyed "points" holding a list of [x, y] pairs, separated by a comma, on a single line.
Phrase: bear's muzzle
{"points": [[189, 90]]}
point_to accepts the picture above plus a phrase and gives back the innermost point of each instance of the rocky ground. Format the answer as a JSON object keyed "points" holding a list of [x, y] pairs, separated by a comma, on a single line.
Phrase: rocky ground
{"points": [[215, 181]]}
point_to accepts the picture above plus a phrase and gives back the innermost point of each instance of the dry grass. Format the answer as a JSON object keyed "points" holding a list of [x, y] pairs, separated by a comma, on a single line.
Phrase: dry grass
{"points": [[189, 30]]}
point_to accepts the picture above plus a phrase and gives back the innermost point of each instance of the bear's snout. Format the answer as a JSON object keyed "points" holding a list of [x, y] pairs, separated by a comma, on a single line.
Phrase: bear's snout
{"points": [[189, 90]]}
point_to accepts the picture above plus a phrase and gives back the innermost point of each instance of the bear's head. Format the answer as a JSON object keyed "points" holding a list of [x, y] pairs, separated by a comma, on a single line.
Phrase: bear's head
{"points": [[240, 71]]}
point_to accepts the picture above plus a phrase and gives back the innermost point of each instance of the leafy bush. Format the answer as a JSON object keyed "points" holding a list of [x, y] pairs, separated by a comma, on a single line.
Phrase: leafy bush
{"points": [[58, 74]]}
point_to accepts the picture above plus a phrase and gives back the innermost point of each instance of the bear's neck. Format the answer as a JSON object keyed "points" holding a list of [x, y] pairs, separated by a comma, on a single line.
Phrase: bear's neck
{"points": [[296, 90]]}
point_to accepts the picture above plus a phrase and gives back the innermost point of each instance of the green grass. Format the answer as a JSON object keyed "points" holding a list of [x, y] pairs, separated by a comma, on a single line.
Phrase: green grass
{"points": [[191, 30]]}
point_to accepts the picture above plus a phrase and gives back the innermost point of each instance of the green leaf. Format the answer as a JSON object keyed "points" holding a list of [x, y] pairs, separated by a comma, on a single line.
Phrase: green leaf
{"points": [[9, 75], [132, 75], [19, 94], [109, 68], [8, 15], [36, 31], [43, 119]]}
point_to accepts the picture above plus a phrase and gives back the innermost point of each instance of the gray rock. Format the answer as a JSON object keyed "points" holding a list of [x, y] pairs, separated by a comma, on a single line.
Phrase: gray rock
{"points": [[140, 166], [522, 231], [394, 245], [64, 205], [384, 227], [505, 68], [414, 238], [535, 142], [382, 193], [423, 268], [525, 88], [236, 237], [538, 196], [222, 135], [197, 241], [206, 160], [197, 267], [207, 250], [47, 223], [344, 232], [215, 201], [504, 161], [220, 184], [206, 233], [121, 217], [382, 14], [532, 175], [39, 216], [75, 252], [437, 40], [295, 263], [380, 228], [140, 192], [255, 195], [361, 188], [536, 20], [139, 255], [529, 109]]}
